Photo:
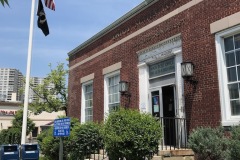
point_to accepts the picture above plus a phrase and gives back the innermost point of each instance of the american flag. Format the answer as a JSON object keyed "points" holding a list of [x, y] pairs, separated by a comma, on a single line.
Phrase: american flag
{"points": [[50, 4]]}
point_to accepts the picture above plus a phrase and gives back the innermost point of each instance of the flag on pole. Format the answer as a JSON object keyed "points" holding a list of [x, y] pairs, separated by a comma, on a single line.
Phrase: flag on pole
{"points": [[50, 4], [42, 21]]}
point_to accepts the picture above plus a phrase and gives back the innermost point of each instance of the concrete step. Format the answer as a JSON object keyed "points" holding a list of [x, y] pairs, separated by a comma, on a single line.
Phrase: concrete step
{"points": [[157, 158], [178, 154], [179, 158]]}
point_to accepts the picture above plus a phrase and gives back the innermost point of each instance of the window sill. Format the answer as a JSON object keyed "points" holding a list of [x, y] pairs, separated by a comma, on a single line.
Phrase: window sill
{"points": [[231, 122]]}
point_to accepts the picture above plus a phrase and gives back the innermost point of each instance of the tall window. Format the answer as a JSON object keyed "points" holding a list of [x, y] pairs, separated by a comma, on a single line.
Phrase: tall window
{"points": [[232, 57], [228, 58], [113, 92], [89, 102]]}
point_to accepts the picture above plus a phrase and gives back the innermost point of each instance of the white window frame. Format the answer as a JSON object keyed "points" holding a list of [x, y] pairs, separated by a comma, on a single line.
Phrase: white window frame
{"points": [[83, 106], [227, 118], [106, 99]]}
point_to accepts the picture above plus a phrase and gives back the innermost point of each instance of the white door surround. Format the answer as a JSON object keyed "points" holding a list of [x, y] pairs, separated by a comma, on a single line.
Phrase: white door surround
{"points": [[166, 49]]}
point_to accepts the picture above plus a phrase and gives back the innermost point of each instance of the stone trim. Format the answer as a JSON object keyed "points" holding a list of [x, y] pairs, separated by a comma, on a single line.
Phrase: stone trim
{"points": [[112, 68], [87, 78], [160, 50], [225, 23]]}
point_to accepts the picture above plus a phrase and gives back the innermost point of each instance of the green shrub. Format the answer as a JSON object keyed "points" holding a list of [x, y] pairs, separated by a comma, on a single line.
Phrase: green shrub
{"points": [[234, 147], [14, 136], [84, 140], [130, 134], [49, 145], [4, 136], [208, 143]]}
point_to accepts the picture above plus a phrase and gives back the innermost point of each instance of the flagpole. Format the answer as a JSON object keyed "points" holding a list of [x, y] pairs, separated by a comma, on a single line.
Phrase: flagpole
{"points": [[25, 109]]}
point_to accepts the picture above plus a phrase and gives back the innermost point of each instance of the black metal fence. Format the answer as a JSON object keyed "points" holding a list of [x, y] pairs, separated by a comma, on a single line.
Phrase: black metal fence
{"points": [[174, 133]]}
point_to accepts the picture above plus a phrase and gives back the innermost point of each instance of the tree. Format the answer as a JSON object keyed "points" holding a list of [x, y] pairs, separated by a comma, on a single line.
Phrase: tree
{"points": [[13, 134], [54, 98], [4, 1], [17, 122]]}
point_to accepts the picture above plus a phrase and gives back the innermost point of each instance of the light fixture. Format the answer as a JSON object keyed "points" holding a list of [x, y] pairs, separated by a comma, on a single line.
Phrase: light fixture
{"points": [[187, 69], [123, 89]]}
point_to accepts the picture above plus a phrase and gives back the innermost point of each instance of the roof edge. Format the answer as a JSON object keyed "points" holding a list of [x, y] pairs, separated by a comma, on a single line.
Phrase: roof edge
{"points": [[113, 25]]}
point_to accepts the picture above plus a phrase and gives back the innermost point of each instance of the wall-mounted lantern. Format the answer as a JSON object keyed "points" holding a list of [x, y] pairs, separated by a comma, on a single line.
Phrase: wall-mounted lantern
{"points": [[123, 89], [187, 69]]}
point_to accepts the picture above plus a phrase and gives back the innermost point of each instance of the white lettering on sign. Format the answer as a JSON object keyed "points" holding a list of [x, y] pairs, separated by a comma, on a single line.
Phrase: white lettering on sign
{"points": [[61, 127]]}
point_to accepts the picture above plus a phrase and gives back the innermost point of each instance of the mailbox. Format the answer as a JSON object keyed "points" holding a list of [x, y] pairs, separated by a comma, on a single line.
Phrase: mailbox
{"points": [[8, 152], [30, 152]]}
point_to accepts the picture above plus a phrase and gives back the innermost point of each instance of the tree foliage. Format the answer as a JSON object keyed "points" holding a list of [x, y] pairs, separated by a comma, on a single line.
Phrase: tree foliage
{"points": [[51, 99], [130, 134], [13, 134], [17, 122]]}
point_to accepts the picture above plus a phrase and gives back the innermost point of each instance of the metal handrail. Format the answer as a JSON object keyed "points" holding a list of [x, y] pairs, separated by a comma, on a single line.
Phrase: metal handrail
{"points": [[174, 133]]}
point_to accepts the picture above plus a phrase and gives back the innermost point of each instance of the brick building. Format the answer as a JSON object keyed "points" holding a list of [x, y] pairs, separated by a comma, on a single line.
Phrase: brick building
{"points": [[146, 48]]}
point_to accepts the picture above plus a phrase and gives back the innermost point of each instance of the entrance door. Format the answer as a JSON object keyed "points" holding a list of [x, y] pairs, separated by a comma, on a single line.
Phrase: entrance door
{"points": [[156, 104], [168, 119], [163, 108]]}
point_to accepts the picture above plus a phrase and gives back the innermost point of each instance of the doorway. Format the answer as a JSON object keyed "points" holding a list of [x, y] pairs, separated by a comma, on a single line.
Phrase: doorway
{"points": [[163, 108], [168, 119], [155, 104]]}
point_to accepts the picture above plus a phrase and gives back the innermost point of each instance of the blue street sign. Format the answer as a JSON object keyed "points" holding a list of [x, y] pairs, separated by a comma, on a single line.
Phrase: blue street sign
{"points": [[61, 127]]}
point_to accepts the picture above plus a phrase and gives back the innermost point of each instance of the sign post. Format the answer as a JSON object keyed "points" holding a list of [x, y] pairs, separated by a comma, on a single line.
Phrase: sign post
{"points": [[61, 128]]}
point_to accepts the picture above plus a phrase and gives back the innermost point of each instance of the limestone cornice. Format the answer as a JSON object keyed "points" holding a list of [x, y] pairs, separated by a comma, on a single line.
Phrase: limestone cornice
{"points": [[160, 50]]}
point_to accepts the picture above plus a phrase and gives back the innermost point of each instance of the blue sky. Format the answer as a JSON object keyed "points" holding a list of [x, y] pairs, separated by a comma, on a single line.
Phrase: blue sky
{"points": [[73, 22]]}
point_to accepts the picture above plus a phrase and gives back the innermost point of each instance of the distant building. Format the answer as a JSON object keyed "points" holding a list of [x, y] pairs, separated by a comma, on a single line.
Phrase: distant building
{"points": [[35, 81], [9, 109], [10, 84]]}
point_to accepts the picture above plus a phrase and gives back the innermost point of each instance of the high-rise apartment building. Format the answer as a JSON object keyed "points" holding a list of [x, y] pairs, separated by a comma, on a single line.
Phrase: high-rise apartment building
{"points": [[10, 84], [35, 81]]}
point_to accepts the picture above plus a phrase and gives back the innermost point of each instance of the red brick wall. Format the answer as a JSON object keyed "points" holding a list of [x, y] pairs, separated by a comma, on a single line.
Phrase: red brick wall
{"points": [[198, 45]]}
